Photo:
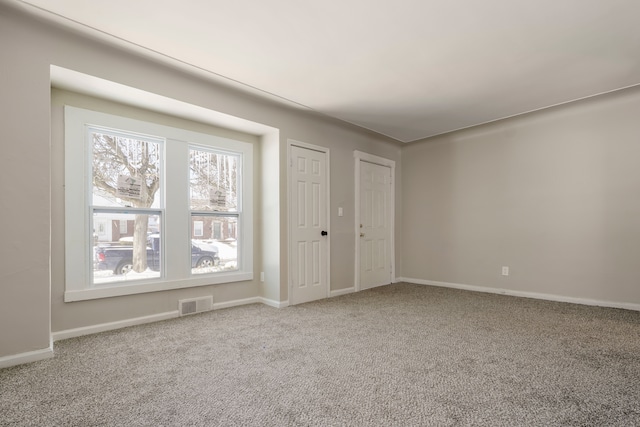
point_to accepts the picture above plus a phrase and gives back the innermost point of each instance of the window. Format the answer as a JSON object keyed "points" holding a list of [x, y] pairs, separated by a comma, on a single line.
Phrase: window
{"points": [[214, 199], [126, 176], [153, 207], [198, 228], [124, 229]]}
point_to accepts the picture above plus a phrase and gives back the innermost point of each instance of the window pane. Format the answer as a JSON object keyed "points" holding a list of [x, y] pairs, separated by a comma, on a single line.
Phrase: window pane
{"points": [[198, 228], [132, 255], [217, 249], [214, 181], [126, 170]]}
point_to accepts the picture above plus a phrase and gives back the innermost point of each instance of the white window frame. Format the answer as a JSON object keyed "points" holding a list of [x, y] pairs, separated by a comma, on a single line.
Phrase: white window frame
{"points": [[176, 220], [198, 231], [238, 212], [125, 228]]}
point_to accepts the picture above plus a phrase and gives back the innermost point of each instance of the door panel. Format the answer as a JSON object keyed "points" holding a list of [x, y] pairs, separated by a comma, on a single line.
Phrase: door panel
{"points": [[375, 225], [309, 259]]}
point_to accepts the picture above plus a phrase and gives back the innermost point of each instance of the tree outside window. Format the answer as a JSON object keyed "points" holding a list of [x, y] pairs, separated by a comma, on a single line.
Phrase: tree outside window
{"points": [[126, 173]]}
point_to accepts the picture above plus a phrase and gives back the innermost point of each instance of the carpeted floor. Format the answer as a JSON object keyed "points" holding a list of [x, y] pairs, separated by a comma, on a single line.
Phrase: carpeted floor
{"points": [[400, 355]]}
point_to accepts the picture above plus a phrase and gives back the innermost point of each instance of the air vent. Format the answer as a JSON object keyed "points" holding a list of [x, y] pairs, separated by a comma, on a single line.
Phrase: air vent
{"points": [[195, 305]]}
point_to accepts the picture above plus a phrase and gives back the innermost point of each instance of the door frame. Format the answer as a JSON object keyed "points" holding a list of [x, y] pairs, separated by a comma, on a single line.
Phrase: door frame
{"points": [[359, 157], [290, 269]]}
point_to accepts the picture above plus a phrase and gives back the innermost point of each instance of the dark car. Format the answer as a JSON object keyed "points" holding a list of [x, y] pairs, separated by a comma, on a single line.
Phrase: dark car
{"points": [[119, 259]]}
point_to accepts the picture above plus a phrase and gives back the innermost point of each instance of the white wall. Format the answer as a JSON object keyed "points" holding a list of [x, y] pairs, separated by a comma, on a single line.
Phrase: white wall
{"points": [[28, 47], [554, 195]]}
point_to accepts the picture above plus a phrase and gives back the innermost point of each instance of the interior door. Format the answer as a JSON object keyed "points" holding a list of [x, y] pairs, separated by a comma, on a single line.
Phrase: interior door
{"points": [[309, 233], [375, 225]]}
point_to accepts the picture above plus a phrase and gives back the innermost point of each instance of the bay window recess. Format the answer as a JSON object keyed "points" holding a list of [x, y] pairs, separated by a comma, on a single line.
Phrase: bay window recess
{"points": [[150, 207]]}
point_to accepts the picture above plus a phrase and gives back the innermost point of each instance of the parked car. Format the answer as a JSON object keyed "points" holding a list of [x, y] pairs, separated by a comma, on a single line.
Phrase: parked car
{"points": [[119, 258]]}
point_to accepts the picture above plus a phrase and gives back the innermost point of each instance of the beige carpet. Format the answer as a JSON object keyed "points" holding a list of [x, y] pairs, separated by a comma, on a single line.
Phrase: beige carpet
{"points": [[400, 355]]}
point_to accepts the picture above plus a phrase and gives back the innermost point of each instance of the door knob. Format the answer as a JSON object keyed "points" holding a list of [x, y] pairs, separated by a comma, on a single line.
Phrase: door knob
{"points": [[323, 233]]}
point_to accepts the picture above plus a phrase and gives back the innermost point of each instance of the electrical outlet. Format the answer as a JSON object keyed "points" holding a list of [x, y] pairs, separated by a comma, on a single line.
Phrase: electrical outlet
{"points": [[505, 271]]}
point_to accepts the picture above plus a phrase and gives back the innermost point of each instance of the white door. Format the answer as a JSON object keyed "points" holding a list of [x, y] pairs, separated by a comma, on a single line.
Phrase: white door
{"points": [[308, 216], [375, 225]]}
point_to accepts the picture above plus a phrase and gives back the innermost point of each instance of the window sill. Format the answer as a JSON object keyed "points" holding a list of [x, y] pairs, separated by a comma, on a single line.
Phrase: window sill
{"points": [[139, 287]]}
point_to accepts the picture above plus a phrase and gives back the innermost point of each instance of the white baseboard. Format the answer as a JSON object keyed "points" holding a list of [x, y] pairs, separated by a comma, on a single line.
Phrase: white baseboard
{"points": [[236, 303], [535, 295], [28, 357], [274, 303], [253, 300], [339, 292], [102, 327], [34, 356]]}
